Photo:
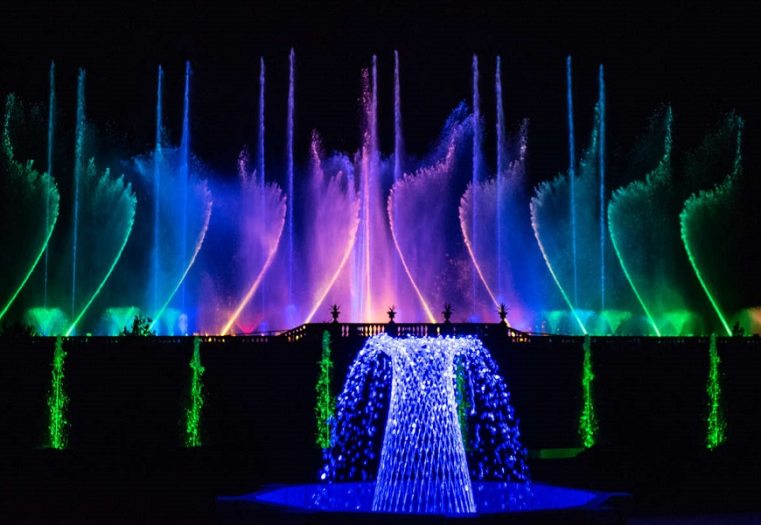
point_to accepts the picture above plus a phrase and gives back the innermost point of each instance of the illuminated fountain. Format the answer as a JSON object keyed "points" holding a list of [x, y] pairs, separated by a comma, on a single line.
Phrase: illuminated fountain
{"points": [[367, 229], [22, 188], [420, 469], [424, 425], [180, 215]]}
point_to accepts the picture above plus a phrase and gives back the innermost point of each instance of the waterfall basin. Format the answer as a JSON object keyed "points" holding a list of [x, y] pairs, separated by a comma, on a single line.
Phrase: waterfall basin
{"points": [[522, 500]]}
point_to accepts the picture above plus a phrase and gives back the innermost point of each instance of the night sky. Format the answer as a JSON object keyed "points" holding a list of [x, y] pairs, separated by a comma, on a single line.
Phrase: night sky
{"points": [[702, 59]]}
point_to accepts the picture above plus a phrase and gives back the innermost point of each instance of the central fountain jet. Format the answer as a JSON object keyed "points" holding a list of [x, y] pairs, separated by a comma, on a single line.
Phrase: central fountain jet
{"points": [[423, 467], [450, 428]]}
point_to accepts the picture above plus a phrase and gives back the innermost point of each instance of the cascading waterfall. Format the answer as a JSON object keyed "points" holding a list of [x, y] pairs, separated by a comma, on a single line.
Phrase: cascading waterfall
{"points": [[417, 452]]}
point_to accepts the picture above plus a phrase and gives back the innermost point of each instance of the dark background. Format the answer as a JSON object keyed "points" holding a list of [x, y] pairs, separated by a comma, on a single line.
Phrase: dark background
{"points": [[701, 58], [128, 396]]}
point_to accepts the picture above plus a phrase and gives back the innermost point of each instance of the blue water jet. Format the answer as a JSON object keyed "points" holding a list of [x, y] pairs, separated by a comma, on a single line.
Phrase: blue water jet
{"points": [[51, 132], [157, 154], [261, 162], [260, 136], [289, 152], [398, 147], [476, 168], [184, 175], [601, 160], [79, 169], [501, 166], [572, 175]]}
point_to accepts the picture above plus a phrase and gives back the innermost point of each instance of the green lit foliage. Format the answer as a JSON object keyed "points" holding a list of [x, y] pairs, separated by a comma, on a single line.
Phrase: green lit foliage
{"points": [[325, 408], [588, 419], [716, 429], [57, 400], [28, 213], [193, 413], [141, 326], [463, 403], [18, 329]]}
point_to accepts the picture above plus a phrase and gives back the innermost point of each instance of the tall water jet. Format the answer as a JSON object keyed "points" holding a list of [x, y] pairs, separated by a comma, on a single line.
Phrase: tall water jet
{"points": [[501, 151], [398, 139], [601, 170], [398, 144], [157, 154], [289, 167], [181, 212], [184, 174], [373, 182], [476, 167], [572, 174], [260, 136], [261, 157], [362, 303], [79, 168], [51, 132]]}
